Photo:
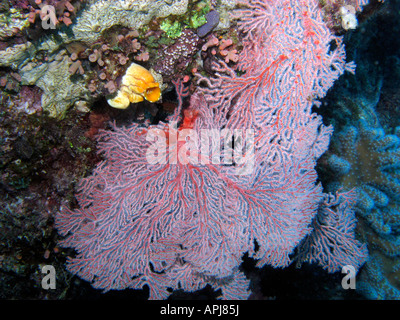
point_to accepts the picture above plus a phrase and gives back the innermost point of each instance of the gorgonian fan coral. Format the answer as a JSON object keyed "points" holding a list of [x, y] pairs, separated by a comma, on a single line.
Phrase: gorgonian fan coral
{"points": [[180, 219]]}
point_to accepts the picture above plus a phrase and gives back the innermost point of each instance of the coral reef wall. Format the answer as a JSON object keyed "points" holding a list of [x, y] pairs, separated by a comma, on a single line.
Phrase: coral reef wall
{"points": [[149, 203]]}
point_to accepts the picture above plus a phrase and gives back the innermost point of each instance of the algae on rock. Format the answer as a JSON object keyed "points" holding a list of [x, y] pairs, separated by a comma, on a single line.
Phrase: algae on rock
{"points": [[103, 14], [52, 75], [59, 91]]}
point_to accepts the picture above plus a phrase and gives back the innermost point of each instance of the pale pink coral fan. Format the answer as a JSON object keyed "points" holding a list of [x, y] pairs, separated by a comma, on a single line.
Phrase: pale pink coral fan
{"points": [[177, 225]]}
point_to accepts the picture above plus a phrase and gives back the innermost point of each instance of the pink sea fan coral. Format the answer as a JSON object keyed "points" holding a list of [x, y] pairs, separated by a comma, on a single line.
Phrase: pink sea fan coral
{"points": [[332, 243], [171, 232], [173, 224]]}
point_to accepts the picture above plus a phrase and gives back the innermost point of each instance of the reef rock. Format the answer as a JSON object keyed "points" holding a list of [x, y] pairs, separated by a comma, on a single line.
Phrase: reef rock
{"points": [[103, 14], [59, 92], [52, 74]]}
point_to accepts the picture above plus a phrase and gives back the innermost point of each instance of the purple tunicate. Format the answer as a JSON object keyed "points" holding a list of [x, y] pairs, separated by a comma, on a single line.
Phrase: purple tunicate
{"points": [[212, 21]]}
